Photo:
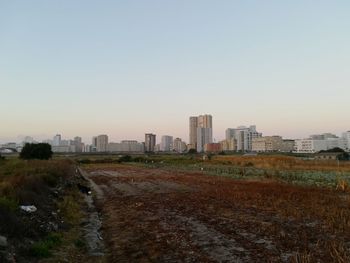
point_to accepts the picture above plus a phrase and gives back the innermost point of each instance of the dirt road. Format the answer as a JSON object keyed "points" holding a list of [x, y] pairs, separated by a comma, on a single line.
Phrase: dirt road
{"points": [[154, 215]]}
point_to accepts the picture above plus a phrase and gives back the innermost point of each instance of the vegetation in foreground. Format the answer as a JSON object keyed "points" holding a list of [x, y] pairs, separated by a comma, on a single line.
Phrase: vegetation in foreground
{"points": [[49, 187]]}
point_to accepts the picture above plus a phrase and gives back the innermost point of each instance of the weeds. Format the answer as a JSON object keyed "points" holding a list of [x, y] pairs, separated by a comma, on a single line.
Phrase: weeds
{"points": [[43, 248]]}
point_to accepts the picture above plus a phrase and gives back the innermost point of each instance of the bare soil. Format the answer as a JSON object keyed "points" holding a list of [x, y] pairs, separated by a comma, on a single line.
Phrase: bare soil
{"points": [[155, 215]]}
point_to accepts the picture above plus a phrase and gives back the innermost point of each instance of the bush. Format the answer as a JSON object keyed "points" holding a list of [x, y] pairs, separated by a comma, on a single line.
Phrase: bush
{"points": [[40, 151], [125, 158], [192, 151], [42, 248], [8, 204]]}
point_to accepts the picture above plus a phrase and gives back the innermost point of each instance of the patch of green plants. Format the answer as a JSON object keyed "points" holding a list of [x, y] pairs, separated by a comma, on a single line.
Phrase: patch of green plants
{"points": [[43, 248], [8, 203], [80, 244]]}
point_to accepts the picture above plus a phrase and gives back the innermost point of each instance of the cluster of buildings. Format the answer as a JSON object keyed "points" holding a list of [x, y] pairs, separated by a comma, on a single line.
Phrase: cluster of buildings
{"points": [[240, 139], [319, 142]]}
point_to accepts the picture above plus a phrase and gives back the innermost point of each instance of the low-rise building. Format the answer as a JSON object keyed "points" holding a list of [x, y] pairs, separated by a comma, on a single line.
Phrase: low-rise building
{"points": [[126, 146], [179, 146], [313, 146], [228, 145], [267, 144], [212, 148], [288, 146], [64, 149]]}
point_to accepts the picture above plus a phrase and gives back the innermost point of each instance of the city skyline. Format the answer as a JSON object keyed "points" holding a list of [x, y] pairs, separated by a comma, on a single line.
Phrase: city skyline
{"points": [[126, 68]]}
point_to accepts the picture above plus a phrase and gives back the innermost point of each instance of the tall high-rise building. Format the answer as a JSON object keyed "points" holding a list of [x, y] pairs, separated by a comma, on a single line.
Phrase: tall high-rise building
{"points": [[205, 121], [204, 136], [166, 144], [102, 143], [78, 144], [150, 142], [193, 132], [94, 141], [197, 124]]}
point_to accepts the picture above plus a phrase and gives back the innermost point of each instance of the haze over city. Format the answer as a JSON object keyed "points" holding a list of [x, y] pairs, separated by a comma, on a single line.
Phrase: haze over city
{"points": [[125, 68]]}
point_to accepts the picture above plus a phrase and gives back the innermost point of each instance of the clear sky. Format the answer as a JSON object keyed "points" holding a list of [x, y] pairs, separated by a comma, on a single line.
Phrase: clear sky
{"points": [[124, 68]]}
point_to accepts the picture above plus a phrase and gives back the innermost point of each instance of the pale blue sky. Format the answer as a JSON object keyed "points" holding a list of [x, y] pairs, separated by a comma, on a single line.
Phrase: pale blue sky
{"points": [[128, 67]]}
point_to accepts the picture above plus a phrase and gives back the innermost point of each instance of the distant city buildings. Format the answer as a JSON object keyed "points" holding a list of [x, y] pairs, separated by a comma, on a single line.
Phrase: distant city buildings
{"points": [[102, 143], [212, 148], [166, 144], [150, 142], [243, 136], [126, 146], [240, 139], [229, 145], [179, 146], [57, 140], [200, 131], [346, 137], [321, 142]]}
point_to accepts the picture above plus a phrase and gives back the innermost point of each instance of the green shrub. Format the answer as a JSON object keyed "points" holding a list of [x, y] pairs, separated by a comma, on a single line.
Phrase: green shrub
{"points": [[125, 158], [40, 151], [42, 249], [8, 203]]}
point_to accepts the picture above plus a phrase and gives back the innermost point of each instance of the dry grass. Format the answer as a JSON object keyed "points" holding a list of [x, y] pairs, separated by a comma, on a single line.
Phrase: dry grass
{"points": [[283, 163], [308, 224]]}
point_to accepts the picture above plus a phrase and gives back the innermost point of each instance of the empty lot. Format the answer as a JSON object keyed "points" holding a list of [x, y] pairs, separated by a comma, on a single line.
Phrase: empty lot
{"points": [[157, 215]]}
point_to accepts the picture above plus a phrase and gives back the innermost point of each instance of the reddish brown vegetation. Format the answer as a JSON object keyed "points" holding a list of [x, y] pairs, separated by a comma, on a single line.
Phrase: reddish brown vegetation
{"points": [[157, 215], [283, 163]]}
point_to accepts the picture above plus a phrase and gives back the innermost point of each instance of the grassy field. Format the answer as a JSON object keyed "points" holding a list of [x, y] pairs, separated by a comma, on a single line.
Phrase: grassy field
{"points": [[294, 170]]}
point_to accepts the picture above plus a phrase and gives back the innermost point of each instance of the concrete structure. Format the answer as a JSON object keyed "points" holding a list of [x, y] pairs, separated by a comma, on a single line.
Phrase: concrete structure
{"points": [[323, 136], [166, 144], [204, 136], [229, 145], [346, 137], [193, 132], [267, 144], [315, 145], [288, 146], [63, 149], [150, 142], [126, 146], [102, 143], [57, 140], [212, 148], [243, 136], [157, 148], [179, 146], [78, 144], [201, 121]]}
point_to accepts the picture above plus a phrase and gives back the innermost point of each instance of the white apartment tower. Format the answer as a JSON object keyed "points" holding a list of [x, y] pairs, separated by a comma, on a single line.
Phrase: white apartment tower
{"points": [[166, 144], [102, 143], [179, 146], [56, 140]]}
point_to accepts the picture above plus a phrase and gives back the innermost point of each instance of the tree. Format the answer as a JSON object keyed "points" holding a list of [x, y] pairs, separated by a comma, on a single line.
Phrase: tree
{"points": [[40, 151], [192, 151]]}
